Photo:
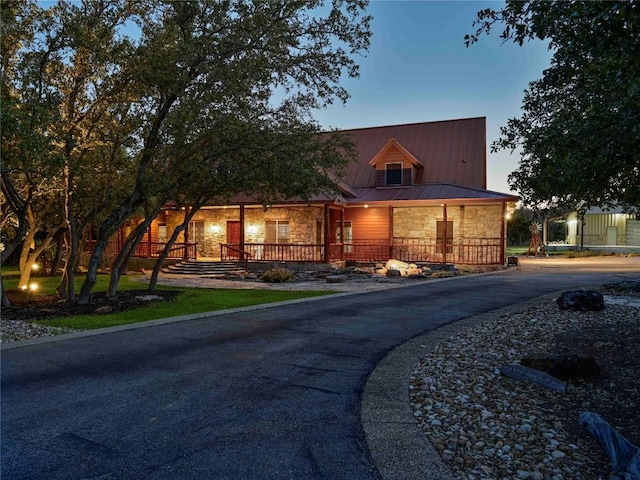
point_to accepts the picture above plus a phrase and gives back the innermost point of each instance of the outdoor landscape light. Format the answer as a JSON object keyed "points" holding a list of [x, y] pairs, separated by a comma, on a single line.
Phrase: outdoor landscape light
{"points": [[33, 287], [24, 287], [35, 266]]}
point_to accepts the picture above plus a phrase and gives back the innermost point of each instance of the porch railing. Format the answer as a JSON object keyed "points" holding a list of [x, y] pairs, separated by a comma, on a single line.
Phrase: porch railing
{"points": [[482, 251], [229, 251], [486, 251], [149, 249], [276, 252]]}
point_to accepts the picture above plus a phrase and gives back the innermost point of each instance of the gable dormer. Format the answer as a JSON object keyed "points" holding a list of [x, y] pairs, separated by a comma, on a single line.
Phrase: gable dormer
{"points": [[396, 166]]}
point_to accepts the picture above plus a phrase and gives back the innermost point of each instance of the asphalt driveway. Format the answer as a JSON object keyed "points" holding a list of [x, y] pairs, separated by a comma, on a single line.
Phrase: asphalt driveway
{"points": [[271, 393]]}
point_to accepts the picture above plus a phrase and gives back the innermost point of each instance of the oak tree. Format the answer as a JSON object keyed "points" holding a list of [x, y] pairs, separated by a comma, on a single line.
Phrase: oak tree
{"points": [[579, 133]]}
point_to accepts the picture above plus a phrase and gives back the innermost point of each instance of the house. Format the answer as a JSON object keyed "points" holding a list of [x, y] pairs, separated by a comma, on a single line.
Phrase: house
{"points": [[416, 193]]}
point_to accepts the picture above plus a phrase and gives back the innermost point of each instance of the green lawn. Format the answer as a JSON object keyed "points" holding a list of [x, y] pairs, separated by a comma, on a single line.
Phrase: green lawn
{"points": [[191, 300]]}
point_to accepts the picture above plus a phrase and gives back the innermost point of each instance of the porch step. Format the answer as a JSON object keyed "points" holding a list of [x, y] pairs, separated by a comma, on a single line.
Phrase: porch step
{"points": [[209, 269]]}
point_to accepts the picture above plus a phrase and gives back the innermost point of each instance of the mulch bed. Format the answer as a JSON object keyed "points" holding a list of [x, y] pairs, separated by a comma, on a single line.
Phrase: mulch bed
{"points": [[27, 308]]}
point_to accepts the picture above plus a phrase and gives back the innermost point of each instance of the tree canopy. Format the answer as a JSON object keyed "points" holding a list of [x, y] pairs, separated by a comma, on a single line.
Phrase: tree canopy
{"points": [[150, 100], [579, 133]]}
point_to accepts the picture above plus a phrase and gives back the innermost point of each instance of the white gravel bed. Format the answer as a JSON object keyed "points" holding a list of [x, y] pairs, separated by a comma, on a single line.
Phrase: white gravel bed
{"points": [[487, 426], [14, 330]]}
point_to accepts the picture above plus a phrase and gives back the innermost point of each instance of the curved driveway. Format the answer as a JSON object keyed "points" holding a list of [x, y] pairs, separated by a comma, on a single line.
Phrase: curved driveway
{"points": [[270, 393]]}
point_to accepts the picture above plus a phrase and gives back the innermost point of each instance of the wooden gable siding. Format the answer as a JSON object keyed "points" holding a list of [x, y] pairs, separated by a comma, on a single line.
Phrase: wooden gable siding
{"points": [[394, 155], [368, 223]]}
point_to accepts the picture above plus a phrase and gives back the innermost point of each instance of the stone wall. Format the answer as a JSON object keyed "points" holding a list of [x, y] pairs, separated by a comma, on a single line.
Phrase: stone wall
{"points": [[304, 222], [469, 222]]}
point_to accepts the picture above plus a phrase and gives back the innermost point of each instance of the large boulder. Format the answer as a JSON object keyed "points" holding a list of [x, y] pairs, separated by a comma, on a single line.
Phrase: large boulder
{"points": [[405, 269], [582, 300], [565, 367]]}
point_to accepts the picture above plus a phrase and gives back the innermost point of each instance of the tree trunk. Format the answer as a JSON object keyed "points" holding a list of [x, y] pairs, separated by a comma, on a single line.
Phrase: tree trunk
{"points": [[55, 264], [122, 259], [107, 229], [120, 263], [27, 267], [4, 301], [26, 260], [70, 291], [153, 281]]}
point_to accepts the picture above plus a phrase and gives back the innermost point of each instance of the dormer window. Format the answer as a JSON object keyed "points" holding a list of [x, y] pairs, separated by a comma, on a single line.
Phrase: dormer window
{"points": [[396, 166], [393, 174]]}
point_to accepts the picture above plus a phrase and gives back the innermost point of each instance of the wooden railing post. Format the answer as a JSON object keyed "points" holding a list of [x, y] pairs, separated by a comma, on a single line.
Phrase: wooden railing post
{"points": [[444, 239], [327, 224], [241, 232], [503, 228]]}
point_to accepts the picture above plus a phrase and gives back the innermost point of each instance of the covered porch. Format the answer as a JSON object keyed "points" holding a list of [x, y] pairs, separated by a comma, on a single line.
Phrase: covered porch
{"points": [[454, 232]]}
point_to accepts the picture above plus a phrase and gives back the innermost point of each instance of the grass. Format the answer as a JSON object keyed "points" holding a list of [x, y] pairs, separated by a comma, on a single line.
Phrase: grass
{"points": [[189, 301], [47, 285], [563, 253]]}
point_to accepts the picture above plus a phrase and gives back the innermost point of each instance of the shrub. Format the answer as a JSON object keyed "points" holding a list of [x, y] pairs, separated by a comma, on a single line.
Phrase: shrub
{"points": [[277, 275]]}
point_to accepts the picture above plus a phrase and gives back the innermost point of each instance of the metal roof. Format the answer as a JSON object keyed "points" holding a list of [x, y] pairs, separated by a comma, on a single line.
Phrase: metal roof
{"points": [[452, 151], [435, 191]]}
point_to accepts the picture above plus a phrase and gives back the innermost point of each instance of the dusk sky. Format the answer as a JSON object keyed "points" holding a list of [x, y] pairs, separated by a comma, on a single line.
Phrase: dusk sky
{"points": [[418, 69]]}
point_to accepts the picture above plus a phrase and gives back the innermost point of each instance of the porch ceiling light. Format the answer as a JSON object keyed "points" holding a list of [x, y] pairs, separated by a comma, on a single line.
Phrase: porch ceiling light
{"points": [[215, 229], [252, 229]]}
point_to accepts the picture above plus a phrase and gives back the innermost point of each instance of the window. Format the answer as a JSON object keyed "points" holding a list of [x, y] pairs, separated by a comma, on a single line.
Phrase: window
{"points": [[277, 231], [348, 235], [162, 233], [393, 174], [440, 236]]}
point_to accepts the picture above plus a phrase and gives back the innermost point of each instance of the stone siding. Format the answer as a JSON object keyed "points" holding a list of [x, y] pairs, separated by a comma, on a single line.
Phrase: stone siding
{"points": [[303, 224], [469, 222]]}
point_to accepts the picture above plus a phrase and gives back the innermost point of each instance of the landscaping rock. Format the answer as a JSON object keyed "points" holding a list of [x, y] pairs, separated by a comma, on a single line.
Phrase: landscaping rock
{"points": [[148, 298], [582, 300], [566, 367], [336, 278]]}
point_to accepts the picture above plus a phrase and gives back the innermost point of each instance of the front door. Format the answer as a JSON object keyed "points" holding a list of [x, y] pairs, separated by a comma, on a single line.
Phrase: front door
{"points": [[233, 237]]}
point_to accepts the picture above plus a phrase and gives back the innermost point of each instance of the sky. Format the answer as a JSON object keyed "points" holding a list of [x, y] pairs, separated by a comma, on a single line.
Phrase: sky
{"points": [[418, 69]]}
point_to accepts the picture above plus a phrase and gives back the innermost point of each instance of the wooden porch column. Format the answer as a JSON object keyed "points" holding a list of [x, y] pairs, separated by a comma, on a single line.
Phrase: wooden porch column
{"points": [[242, 233], [327, 220], [545, 232], [503, 230], [342, 233], [185, 256], [390, 231], [149, 240], [444, 240]]}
